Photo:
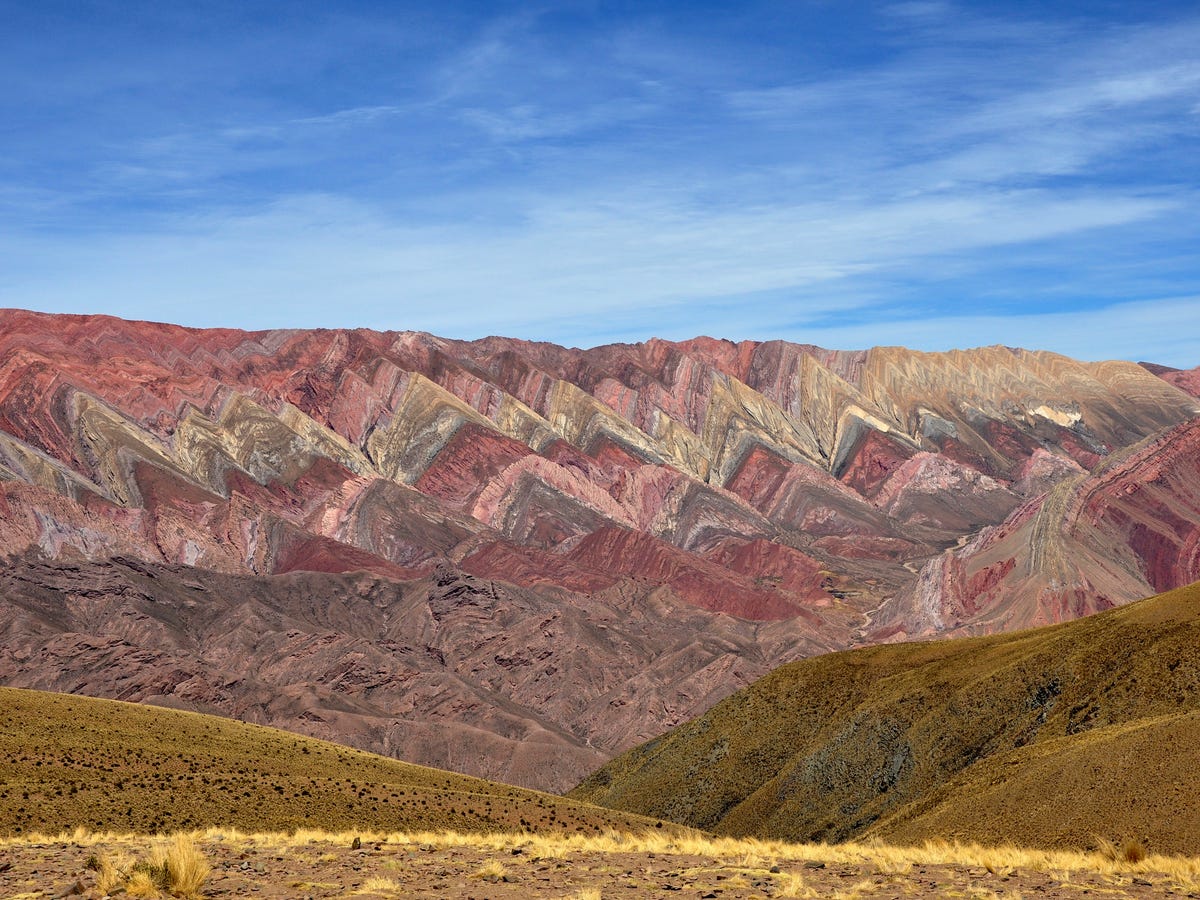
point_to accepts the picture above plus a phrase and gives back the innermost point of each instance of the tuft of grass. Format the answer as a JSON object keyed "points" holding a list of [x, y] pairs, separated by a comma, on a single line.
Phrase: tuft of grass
{"points": [[184, 866], [111, 873], [177, 868], [1130, 851], [141, 883], [1133, 851], [378, 885], [492, 870], [793, 887], [751, 860]]}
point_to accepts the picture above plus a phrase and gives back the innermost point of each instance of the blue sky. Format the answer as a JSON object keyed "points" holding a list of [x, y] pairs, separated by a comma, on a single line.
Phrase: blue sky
{"points": [[922, 173]]}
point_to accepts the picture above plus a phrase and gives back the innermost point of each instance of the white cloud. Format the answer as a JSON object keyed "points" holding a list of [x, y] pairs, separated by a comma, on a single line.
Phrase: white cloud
{"points": [[322, 260], [1039, 103], [354, 115]]}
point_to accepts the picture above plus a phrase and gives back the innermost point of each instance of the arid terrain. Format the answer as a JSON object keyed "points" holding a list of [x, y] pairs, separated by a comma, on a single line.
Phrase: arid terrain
{"points": [[1077, 739], [443, 866], [516, 560], [301, 818], [71, 762], [587, 450]]}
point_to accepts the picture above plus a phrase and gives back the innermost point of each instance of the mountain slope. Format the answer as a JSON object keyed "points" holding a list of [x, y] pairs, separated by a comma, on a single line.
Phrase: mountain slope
{"points": [[1132, 781], [1039, 737], [451, 670], [68, 762]]}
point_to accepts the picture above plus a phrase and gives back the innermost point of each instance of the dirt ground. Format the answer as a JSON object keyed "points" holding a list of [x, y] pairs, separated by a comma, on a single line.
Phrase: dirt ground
{"points": [[292, 868]]}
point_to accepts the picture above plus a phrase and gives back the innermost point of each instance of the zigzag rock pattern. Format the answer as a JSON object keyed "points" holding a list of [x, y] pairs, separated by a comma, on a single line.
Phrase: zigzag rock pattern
{"points": [[578, 548]]}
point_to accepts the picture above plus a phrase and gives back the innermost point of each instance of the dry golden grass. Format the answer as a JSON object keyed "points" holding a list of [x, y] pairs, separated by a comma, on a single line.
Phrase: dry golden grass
{"points": [[138, 866], [492, 870], [67, 760], [185, 866], [791, 885], [380, 885], [1130, 851], [176, 868], [883, 858], [142, 884], [110, 872], [734, 852]]}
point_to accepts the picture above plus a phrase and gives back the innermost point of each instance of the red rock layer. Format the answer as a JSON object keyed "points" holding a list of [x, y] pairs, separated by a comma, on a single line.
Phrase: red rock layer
{"points": [[1128, 529]]}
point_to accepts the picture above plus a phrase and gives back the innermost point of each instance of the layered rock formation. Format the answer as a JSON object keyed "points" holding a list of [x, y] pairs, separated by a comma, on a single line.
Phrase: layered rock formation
{"points": [[1095, 540], [699, 511], [470, 674]]}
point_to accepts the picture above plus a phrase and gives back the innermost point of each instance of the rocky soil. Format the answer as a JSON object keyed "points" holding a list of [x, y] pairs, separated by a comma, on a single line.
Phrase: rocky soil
{"points": [[428, 869]]}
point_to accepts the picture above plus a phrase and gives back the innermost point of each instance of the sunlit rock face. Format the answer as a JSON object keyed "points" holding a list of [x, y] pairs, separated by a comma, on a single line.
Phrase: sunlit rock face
{"points": [[578, 548]]}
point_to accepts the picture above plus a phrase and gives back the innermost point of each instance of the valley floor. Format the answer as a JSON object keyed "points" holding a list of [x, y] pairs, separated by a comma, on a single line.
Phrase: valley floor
{"points": [[319, 865]]}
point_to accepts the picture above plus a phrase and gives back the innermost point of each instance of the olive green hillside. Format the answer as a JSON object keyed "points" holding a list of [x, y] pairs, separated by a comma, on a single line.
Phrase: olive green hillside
{"points": [[68, 762], [1050, 737], [1130, 783]]}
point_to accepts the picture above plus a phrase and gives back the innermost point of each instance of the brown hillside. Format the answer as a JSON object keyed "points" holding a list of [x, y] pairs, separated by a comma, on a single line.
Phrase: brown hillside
{"points": [[1045, 737], [69, 761], [1134, 781]]}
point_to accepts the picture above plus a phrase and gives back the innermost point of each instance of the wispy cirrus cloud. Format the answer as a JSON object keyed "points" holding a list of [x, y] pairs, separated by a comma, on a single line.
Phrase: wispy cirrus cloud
{"points": [[564, 174], [605, 259]]}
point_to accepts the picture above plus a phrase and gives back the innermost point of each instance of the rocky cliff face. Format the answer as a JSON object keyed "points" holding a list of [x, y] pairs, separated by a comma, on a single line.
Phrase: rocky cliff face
{"points": [[689, 514]]}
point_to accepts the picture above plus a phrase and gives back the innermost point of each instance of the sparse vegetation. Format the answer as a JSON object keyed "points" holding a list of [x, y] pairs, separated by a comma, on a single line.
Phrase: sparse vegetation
{"points": [[1129, 851], [580, 867], [985, 739], [492, 870], [380, 885], [67, 760]]}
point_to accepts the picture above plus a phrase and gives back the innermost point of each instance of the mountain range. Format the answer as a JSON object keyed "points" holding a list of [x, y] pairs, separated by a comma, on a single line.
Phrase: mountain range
{"points": [[516, 560]]}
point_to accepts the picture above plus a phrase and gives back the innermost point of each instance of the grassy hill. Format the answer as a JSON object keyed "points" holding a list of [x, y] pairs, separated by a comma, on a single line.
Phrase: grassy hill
{"points": [[68, 761], [1051, 737]]}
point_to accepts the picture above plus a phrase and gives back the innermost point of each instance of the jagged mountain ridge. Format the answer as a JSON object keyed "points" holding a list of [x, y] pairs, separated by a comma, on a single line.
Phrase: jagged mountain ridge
{"points": [[1130, 525], [693, 481]]}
